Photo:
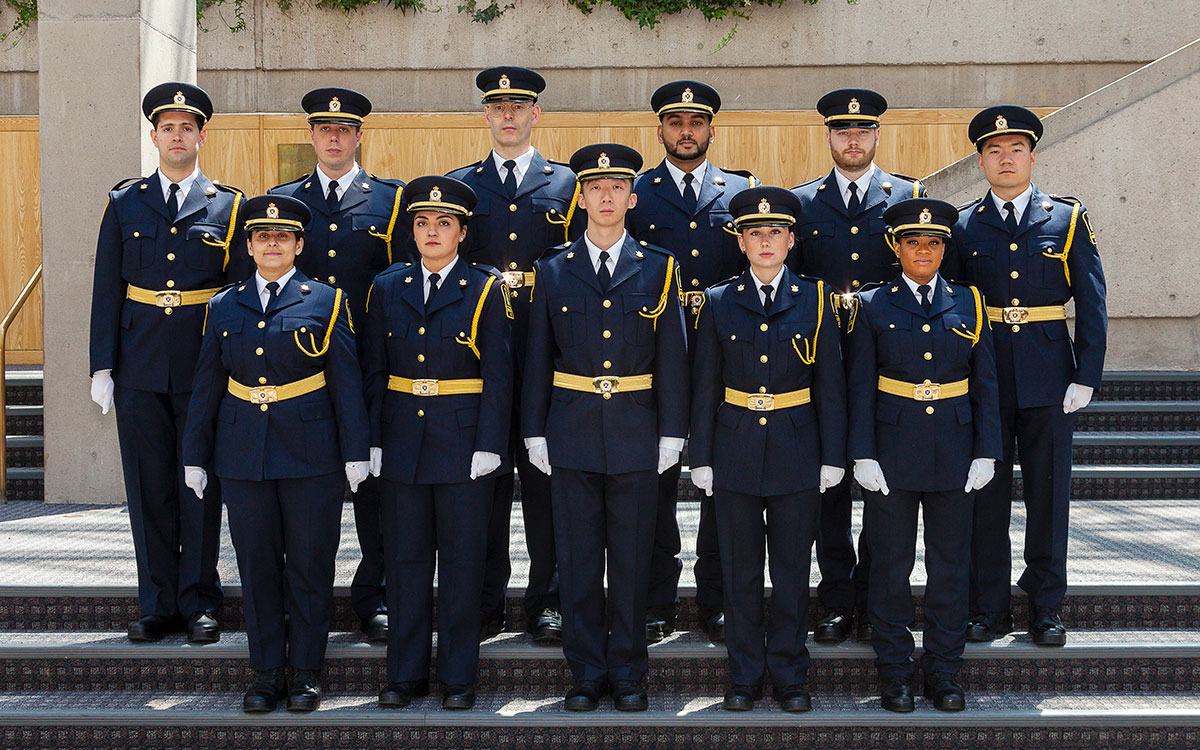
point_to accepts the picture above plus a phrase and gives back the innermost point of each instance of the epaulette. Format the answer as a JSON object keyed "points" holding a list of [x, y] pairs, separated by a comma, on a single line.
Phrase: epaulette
{"points": [[741, 173], [467, 167], [812, 279], [655, 248], [726, 282], [394, 183], [904, 177], [548, 170], [228, 188], [301, 178], [871, 285], [485, 268], [1068, 199], [956, 282], [806, 184], [550, 252], [399, 265], [123, 183], [967, 205]]}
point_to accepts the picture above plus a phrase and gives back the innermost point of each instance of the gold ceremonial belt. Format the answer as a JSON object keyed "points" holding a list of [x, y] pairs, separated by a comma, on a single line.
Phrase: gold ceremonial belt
{"points": [[169, 297], [603, 384], [518, 279], [1026, 314], [269, 394], [767, 401], [434, 387], [923, 391]]}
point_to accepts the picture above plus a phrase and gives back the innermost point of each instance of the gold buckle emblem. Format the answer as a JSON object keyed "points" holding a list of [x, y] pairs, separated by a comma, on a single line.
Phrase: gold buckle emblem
{"points": [[1001, 123], [606, 384], [694, 301], [846, 300], [514, 279], [1016, 314], [760, 402], [853, 107], [426, 387], [504, 82], [335, 105], [168, 299], [764, 207], [264, 395], [687, 97], [927, 391]]}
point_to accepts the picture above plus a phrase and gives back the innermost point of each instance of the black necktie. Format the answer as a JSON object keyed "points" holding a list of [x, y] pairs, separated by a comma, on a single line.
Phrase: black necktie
{"points": [[689, 191], [433, 287], [854, 203], [1010, 221], [273, 288], [766, 290], [603, 273], [173, 201], [331, 198], [926, 301], [510, 179]]}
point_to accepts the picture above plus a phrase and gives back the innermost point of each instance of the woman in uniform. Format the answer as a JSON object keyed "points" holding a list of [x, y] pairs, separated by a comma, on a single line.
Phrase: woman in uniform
{"points": [[438, 374], [768, 436], [924, 433], [277, 404]]}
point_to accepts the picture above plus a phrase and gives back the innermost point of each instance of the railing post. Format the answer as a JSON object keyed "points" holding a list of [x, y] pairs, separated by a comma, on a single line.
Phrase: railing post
{"points": [[9, 317]]}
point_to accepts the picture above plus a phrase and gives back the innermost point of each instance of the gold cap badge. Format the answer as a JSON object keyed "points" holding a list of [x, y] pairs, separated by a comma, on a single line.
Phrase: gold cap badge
{"points": [[1001, 123], [335, 105], [179, 97], [687, 97], [853, 107], [764, 207], [603, 162], [435, 193], [272, 211], [925, 216], [504, 82]]}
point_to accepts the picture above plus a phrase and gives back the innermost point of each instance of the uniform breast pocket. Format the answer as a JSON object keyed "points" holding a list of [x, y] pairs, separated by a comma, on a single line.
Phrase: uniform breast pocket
{"points": [[396, 338], [818, 235], [639, 328], [956, 343], [568, 321], [877, 228], [896, 341], [205, 247], [546, 215], [720, 221], [1048, 272], [138, 246], [796, 344], [981, 260], [231, 343], [306, 334]]}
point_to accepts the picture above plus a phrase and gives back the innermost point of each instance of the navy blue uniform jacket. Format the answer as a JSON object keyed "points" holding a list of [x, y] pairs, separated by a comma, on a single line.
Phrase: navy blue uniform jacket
{"points": [[635, 328], [305, 436], [785, 454], [465, 334], [204, 248], [922, 446], [840, 248], [1037, 361]]}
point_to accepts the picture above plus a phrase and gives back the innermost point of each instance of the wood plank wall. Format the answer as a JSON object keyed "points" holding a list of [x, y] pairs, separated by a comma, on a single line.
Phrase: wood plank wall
{"points": [[781, 148]]}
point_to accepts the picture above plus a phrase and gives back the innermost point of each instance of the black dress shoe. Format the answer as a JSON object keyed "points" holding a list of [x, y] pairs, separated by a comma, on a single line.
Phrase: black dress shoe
{"points": [[1046, 627], [794, 699], [896, 695], [401, 694], [202, 627], [584, 695], [988, 626], [712, 622], [376, 627], [660, 622], [269, 687], [546, 628], [863, 632], [150, 628], [490, 626], [944, 692], [305, 692], [458, 697], [629, 695], [835, 628], [741, 697]]}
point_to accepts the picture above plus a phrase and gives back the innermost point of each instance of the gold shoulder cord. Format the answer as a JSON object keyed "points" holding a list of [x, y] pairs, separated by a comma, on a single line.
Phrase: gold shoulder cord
{"points": [[979, 316], [370, 289], [703, 299], [337, 306], [387, 238], [666, 292], [853, 315], [1067, 247], [470, 342], [916, 188], [809, 356], [565, 222], [237, 199]]}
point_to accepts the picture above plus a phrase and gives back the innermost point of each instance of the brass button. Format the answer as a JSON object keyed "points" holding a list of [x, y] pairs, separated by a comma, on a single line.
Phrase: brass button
{"points": [[854, 283], [170, 256], [137, 234], [564, 309], [420, 357], [925, 328], [224, 333], [333, 227], [692, 225], [815, 233], [607, 395], [1013, 246], [762, 327], [262, 324], [421, 331], [262, 381], [853, 256], [512, 266], [762, 389], [928, 355], [607, 334], [651, 226], [695, 282], [168, 310], [1016, 329], [732, 337], [1014, 274], [762, 420], [763, 358], [695, 253], [389, 334], [259, 351], [891, 325], [207, 235], [303, 329], [174, 230], [420, 412], [333, 279], [372, 227], [170, 283], [512, 206], [1015, 301], [607, 303], [262, 407], [607, 364], [853, 230], [513, 236], [929, 410], [333, 253]]}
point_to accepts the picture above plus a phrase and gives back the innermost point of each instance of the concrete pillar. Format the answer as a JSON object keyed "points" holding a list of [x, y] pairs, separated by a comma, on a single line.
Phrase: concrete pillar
{"points": [[95, 62]]}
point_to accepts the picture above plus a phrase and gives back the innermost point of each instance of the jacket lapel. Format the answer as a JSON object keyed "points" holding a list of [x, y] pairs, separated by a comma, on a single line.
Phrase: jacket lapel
{"points": [[745, 292], [832, 195], [943, 298], [450, 290], [710, 190], [629, 262], [152, 195], [875, 192], [354, 193], [488, 178], [412, 290], [1035, 215], [535, 177], [310, 193], [579, 262], [785, 298], [903, 297], [290, 293], [198, 197], [665, 188]]}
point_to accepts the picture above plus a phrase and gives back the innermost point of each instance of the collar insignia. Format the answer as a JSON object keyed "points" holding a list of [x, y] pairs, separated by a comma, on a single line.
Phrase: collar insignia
{"points": [[462, 282], [795, 288], [741, 287], [571, 255], [305, 288]]}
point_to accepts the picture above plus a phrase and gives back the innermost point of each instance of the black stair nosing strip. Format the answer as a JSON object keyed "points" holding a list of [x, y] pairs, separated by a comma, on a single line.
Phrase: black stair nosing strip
{"points": [[1132, 439], [23, 376], [26, 473], [1097, 471], [23, 410], [1109, 407], [25, 441], [1127, 376]]}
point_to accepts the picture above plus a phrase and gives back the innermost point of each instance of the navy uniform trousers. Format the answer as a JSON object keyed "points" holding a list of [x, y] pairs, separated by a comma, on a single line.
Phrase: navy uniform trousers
{"points": [[925, 449], [282, 463], [510, 232], [152, 352], [434, 515], [848, 252], [767, 463], [604, 451], [1036, 361], [346, 247]]}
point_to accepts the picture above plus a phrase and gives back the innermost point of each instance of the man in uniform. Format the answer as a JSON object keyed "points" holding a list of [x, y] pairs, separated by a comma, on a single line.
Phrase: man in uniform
{"points": [[168, 243], [352, 237], [1029, 253], [604, 407], [841, 238], [683, 206], [524, 201]]}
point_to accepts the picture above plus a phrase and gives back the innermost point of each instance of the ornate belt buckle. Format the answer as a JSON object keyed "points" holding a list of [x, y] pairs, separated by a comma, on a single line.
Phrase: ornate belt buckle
{"points": [[514, 279], [694, 301], [264, 395], [1016, 314], [846, 300], [760, 402], [927, 391], [606, 384], [426, 387], [170, 298]]}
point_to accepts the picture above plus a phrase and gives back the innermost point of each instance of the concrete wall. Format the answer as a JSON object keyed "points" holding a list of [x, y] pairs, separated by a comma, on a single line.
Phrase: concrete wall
{"points": [[1129, 151], [921, 53]]}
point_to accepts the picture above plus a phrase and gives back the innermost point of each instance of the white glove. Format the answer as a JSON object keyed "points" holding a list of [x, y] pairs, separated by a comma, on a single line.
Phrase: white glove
{"points": [[539, 454], [702, 477], [1077, 397], [667, 457], [196, 478], [484, 463], [102, 390], [356, 472], [869, 474], [831, 476], [981, 472], [376, 462]]}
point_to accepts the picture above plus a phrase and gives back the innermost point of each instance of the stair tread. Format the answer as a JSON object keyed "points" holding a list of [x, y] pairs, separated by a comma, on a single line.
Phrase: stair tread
{"points": [[25, 441], [1134, 406], [1137, 437], [23, 410]]}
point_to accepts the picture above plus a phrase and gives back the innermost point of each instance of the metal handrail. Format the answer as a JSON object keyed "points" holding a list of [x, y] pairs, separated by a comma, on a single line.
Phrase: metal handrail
{"points": [[8, 319]]}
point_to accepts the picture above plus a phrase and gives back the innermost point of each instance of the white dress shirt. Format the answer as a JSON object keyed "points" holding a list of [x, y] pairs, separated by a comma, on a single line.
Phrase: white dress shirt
{"points": [[773, 283], [933, 285], [698, 176], [264, 294], [442, 276], [522, 165], [343, 182], [614, 252], [863, 183], [184, 185], [1020, 203]]}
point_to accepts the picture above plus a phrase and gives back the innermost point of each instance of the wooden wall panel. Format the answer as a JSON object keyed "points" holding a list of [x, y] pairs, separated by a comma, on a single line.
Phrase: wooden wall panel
{"points": [[21, 234]]}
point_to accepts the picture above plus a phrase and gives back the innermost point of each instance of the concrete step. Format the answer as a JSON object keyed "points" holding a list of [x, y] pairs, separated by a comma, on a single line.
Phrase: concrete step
{"points": [[1143, 385], [1137, 447], [25, 450]]}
